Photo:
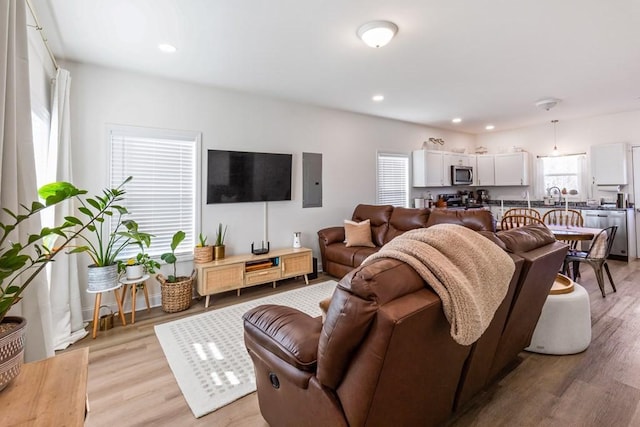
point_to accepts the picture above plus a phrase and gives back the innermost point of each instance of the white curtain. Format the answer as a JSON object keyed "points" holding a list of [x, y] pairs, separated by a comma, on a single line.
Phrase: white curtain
{"points": [[17, 166], [66, 307]]}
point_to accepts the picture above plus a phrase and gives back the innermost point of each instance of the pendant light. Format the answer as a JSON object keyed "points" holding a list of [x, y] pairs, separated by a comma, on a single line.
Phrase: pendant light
{"points": [[555, 138]]}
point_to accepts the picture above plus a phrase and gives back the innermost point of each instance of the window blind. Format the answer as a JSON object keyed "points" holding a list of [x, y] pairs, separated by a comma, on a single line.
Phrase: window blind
{"points": [[393, 179], [162, 196]]}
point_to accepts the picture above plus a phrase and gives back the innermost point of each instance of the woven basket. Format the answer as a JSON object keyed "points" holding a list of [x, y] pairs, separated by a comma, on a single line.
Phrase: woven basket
{"points": [[176, 296], [203, 254], [11, 348]]}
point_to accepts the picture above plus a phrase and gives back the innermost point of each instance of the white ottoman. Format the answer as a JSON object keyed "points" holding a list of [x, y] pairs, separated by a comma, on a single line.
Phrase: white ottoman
{"points": [[564, 326]]}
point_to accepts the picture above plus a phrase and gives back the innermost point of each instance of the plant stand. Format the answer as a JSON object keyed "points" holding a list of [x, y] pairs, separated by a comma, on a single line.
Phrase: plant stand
{"points": [[96, 307], [142, 281]]}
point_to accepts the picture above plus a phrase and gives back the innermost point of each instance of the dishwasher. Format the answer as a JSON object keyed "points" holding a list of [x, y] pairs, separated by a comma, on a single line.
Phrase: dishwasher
{"points": [[603, 218]]}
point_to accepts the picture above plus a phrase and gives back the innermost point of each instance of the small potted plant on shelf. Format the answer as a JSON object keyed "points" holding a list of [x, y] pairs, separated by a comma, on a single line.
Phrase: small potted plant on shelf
{"points": [[218, 249], [142, 263], [202, 252], [176, 291]]}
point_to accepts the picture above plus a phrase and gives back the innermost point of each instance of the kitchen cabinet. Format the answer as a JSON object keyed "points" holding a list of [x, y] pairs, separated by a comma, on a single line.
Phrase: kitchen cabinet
{"points": [[609, 164], [512, 168], [485, 170], [428, 168]]}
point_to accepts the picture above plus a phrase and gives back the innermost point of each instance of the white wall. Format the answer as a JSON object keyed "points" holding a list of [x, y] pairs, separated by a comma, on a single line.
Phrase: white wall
{"points": [[239, 121], [573, 136]]}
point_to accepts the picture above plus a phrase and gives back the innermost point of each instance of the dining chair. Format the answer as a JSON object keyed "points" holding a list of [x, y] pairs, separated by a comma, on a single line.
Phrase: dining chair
{"points": [[569, 217], [514, 221], [523, 211], [596, 257]]}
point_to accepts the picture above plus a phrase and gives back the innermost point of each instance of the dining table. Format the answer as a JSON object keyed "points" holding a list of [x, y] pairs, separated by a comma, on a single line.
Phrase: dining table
{"points": [[573, 233]]}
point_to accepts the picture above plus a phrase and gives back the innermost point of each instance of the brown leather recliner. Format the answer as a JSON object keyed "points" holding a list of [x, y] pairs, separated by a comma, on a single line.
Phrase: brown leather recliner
{"points": [[384, 355]]}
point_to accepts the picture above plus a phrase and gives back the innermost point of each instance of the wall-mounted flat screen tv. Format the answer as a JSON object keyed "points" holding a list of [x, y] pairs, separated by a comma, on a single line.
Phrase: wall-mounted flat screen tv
{"points": [[240, 176]]}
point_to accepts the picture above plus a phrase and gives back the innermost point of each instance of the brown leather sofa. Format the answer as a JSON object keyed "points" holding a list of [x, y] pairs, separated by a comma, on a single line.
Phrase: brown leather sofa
{"points": [[388, 222], [384, 355]]}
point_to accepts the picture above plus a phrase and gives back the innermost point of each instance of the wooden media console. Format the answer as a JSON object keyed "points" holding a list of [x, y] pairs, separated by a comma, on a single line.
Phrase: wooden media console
{"points": [[241, 271]]}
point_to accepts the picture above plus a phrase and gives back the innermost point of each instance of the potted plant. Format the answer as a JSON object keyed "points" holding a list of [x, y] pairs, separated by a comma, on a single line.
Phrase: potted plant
{"points": [[108, 241], [22, 261], [176, 291], [218, 249], [142, 263], [202, 252]]}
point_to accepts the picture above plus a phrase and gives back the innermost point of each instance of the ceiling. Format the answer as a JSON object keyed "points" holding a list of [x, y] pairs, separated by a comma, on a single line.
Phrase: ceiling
{"points": [[487, 62]]}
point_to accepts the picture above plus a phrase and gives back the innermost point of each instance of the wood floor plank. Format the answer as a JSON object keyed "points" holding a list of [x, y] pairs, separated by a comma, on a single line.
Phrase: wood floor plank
{"points": [[130, 382]]}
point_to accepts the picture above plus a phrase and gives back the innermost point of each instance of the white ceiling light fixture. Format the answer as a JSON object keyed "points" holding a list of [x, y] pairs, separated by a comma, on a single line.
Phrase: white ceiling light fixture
{"points": [[555, 151], [378, 98], [456, 120], [547, 103], [377, 33], [489, 127], [167, 48]]}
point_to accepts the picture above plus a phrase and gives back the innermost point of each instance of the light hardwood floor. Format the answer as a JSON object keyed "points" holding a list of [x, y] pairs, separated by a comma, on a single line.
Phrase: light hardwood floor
{"points": [[131, 384]]}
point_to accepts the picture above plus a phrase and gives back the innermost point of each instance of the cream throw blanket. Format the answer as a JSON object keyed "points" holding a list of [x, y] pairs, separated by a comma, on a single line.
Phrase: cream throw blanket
{"points": [[469, 273]]}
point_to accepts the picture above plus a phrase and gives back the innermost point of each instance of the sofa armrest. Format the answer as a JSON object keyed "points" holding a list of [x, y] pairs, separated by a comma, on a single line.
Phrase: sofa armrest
{"points": [[331, 235], [289, 334]]}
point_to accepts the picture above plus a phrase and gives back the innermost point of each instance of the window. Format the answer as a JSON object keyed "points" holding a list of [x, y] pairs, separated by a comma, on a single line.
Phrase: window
{"points": [[563, 172], [393, 179], [163, 195]]}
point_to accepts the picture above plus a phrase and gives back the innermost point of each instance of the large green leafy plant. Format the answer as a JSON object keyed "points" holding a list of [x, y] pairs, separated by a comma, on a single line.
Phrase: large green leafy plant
{"points": [[21, 262], [109, 240], [170, 257]]}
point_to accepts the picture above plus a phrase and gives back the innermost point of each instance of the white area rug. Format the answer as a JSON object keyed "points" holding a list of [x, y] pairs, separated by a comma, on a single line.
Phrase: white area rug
{"points": [[207, 355]]}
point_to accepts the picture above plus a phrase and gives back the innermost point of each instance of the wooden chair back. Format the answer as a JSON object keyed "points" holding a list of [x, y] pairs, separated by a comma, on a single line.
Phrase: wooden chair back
{"points": [[513, 221], [566, 217], [523, 211]]}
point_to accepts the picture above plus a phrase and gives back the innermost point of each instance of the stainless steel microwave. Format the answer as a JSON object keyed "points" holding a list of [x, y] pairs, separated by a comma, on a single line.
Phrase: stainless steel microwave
{"points": [[461, 175]]}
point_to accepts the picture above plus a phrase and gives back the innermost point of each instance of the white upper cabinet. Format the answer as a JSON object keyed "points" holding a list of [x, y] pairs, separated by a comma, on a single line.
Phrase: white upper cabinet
{"points": [[512, 168], [484, 170], [428, 168], [609, 164]]}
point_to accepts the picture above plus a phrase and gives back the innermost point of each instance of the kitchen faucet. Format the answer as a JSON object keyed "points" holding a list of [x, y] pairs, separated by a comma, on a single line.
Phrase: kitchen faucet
{"points": [[559, 193]]}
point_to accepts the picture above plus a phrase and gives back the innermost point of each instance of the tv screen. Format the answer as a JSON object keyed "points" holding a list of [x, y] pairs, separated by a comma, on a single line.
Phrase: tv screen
{"points": [[240, 176]]}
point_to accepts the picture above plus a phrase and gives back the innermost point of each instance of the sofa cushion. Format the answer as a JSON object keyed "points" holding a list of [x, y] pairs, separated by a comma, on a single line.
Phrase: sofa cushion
{"points": [[475, 219], [379, 217], [351, 256], [405, 219], [358, 233], [526, 238]]}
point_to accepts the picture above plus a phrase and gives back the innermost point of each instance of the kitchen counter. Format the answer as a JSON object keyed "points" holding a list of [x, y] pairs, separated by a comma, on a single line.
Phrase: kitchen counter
{"points": [[540, 205]]}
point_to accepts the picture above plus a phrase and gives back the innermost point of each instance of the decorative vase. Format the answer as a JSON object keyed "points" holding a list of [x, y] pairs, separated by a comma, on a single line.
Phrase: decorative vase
{"points": [[134, 271], [218, 252], [101, 279], [11, 348], [203, 254]]}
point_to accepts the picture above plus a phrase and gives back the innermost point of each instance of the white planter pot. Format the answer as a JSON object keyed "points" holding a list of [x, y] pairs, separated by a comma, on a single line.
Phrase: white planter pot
{"points": [[134, 271]]}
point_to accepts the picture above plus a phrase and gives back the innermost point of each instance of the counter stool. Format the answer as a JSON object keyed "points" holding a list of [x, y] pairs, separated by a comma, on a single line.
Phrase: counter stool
{"points": [[564, 326], [140, 281], [96, 307]]}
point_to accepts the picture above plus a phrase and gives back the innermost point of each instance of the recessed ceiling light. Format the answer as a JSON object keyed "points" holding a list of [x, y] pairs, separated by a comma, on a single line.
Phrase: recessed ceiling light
{"points": [[377, 33], [167, 48], [456, 120], [489, 127], [378, 98]]}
